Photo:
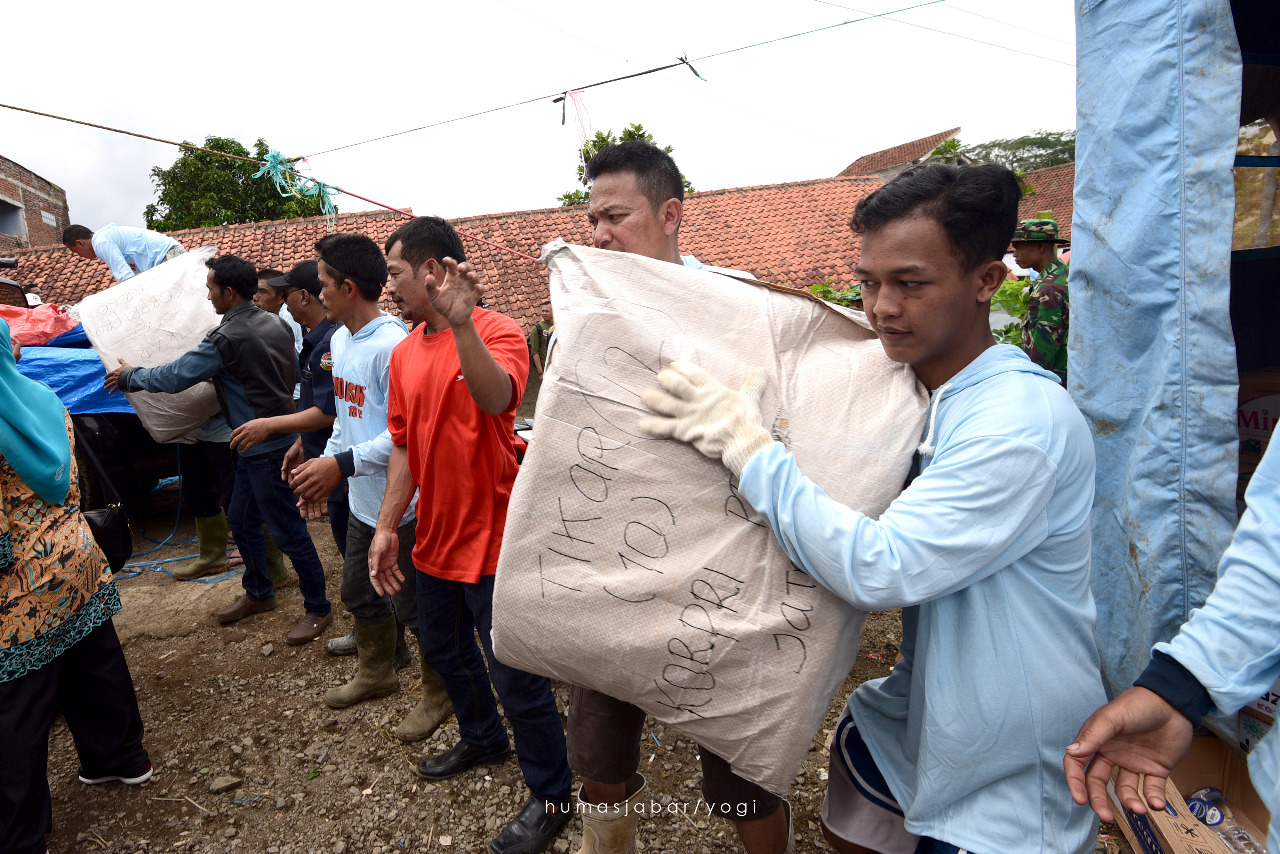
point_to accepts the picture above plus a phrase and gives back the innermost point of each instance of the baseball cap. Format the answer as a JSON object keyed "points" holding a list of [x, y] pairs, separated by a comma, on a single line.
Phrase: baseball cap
{"points": [[304, 275]]}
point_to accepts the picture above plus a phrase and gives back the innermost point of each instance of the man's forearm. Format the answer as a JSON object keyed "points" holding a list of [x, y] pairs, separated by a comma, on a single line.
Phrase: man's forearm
{"points": [[399, 492], [489, 384], [189, 369], [311, 419]]}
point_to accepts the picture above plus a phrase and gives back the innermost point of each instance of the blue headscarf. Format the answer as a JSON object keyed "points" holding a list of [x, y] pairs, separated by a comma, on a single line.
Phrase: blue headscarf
{"points": [[33, 431]]}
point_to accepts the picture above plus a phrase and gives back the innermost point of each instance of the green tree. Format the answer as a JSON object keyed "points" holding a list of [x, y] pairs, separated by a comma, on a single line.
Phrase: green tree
{"points": [[1025, 153], [950, 151], [202, 189], [604, 139], [850, 297], [1011, 298]]}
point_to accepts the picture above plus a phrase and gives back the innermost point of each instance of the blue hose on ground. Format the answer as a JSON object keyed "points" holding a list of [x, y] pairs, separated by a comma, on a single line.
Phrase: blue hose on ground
{"points": [[176, 519], [155, 566]]}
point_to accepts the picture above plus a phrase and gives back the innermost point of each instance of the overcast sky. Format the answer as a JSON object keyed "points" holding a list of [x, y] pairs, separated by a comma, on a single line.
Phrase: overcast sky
{"points": [[314, 76]]}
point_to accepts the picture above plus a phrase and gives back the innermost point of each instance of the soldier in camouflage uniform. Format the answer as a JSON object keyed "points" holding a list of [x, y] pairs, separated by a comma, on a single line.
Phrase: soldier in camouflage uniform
{"points": [[1044, 329]]}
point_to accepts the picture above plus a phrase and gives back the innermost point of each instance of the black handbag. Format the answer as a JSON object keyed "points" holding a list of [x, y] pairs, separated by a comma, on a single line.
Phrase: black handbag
{"points": [[110, 525]]}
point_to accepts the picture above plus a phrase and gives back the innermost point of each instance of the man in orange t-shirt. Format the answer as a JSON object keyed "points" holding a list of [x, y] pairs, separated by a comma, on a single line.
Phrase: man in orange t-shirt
{"points": [[455, 383]]}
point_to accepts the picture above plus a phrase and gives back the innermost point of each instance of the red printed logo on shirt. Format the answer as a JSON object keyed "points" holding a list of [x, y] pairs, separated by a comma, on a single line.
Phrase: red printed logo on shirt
{"points": [[350, 393]]}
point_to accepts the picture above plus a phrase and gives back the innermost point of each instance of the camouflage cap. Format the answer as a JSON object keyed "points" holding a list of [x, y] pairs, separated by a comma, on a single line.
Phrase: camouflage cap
{"points": [[1037, 229]]}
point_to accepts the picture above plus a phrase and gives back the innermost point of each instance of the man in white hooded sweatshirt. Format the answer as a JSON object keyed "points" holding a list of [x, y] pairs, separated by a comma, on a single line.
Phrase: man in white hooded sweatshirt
{"points": [[352, 272], [986, 551]]}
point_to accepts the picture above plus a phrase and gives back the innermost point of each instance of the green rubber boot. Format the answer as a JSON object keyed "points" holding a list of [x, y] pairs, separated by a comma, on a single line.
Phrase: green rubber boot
{"points": [[211, 531], [276, 571], [432, 710], [375, 677]]}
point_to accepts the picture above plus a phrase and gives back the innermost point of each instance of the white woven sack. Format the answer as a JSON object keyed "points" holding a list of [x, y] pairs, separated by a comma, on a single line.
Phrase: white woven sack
{"points": [[631, 566], [151, 319]]}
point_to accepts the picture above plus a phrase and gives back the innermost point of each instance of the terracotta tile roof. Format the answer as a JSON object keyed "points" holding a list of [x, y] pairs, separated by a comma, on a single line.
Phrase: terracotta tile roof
{"points": [[66, 279], [1053, 188], [908, 152], [795, 233]]}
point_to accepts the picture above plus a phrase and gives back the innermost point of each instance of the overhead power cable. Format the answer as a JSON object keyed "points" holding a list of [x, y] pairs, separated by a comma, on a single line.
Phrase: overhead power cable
{"points": [[275, 163], [867, 16], [289, 180], [131, 133], [682, 61], [953, 7], [555, 95], [953, 35]]}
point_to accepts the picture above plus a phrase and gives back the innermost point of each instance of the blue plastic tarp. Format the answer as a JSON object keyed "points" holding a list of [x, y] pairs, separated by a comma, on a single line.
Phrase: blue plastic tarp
{"points": [[1153, 363], [75, 375], [72, 338]]}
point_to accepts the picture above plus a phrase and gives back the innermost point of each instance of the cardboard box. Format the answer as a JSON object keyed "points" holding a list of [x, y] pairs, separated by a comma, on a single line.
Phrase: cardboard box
{"points": [[1251, 726], [1258, 411], [1173, 830], [1257, 718], [1267, 705]]}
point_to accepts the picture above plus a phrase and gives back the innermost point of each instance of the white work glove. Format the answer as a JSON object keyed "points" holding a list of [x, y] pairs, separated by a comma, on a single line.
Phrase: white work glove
{"points": [[694, 407]]}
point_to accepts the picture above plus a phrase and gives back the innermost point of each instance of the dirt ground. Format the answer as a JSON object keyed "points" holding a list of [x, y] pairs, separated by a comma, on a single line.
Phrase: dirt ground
{"points": [[235, 708]]}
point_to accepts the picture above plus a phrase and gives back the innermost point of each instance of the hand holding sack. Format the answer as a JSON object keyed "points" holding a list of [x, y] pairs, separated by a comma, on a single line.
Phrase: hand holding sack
{"points": [[721, 423], [629, 563]]}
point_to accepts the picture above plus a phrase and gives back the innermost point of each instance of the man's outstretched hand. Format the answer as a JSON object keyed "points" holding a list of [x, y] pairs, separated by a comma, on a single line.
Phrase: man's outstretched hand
{"points": [[695, 407], [249, 434], [457, 296], [112, 381], [1137, 732]]}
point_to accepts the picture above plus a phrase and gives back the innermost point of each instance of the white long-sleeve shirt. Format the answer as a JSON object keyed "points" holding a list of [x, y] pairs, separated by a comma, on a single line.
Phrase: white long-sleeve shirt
{"points": [[1231, 645], [128, 251], [361, 376], [987, 554]]}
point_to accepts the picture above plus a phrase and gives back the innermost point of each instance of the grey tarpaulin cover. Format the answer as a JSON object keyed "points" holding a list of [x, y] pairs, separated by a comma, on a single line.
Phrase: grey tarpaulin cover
{"points": [[629, 565], [151, 319]]}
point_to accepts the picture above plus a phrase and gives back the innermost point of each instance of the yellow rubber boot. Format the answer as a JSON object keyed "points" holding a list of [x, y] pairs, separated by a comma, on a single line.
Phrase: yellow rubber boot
{"points": [[432, 710], [611, 828], [211, 532], [375, 677]]}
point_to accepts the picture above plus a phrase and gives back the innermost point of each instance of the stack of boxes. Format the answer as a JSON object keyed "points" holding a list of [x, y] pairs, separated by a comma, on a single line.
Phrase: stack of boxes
{"points": [[1256, 719], [1256, 418]]}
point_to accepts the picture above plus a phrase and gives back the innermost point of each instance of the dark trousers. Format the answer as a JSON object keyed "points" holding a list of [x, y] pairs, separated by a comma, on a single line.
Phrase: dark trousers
{"points": [[90, 685], [358, 595], [450, 615], [604, 747], [208, 475], [260, 495], [339, 513]]}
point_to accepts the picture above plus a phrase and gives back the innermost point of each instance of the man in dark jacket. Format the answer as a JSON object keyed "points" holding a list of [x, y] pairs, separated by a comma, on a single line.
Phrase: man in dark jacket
{"points": [[251, 360]]}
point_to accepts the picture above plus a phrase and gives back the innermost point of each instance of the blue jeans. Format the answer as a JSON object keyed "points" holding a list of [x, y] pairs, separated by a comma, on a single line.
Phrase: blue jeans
{"points": [[261, 496], [450, 614]]}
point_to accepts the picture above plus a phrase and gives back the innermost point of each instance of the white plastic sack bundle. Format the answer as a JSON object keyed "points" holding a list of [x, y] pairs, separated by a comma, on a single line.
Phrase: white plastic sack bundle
{"points": [[631, 566], [151, 319]]}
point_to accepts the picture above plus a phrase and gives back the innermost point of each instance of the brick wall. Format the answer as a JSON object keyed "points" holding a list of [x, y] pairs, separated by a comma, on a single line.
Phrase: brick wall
{"points": [[38, 199]]}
